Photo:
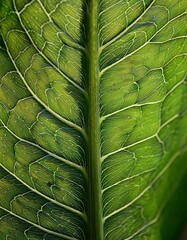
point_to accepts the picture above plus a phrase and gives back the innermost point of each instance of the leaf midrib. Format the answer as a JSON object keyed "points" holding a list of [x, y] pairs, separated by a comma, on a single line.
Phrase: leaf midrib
{"points": [[94, 166]]}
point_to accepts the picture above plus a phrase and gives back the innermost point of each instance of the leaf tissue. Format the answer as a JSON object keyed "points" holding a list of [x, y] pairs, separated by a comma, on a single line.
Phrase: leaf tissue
{"points": [[93, 117]]}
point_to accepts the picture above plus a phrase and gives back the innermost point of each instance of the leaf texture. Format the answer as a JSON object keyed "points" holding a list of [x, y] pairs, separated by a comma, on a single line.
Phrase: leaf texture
{"points": [[92, 117]]}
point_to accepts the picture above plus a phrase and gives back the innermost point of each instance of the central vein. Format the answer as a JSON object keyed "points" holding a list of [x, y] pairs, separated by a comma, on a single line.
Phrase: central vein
{"points": [[95, 200]]}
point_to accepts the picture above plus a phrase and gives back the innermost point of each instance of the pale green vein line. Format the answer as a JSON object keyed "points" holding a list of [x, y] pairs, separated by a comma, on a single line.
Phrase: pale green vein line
{"points": [[141, 141], [62, 119], [167, 198], [68, 162], [146, 226], [82, 215], [142, 104], [168, 40], [165, 168], [126, 147], [168, 121], [73, 42], [38, 226], [126, 29], [128, 178], [3, 49], [138, 49], [45, 57], [156, 218], [26, 6], [178, 55], [4, 216], [128, 107]]}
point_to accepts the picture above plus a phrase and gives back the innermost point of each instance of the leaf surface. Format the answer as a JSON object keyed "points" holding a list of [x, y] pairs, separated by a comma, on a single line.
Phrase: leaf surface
{"points": [[92, 117]]}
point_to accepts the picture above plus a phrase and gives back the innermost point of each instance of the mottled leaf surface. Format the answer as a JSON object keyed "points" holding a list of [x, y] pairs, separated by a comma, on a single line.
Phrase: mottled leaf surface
{"points": [[93, 117]]}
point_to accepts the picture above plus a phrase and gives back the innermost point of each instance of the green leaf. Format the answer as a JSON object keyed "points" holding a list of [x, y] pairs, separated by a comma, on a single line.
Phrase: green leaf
{"points": [[92, 119]]}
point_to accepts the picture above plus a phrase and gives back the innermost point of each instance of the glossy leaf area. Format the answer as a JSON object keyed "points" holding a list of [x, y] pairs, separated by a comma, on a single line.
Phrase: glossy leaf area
{"points": [[93, 117]]}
